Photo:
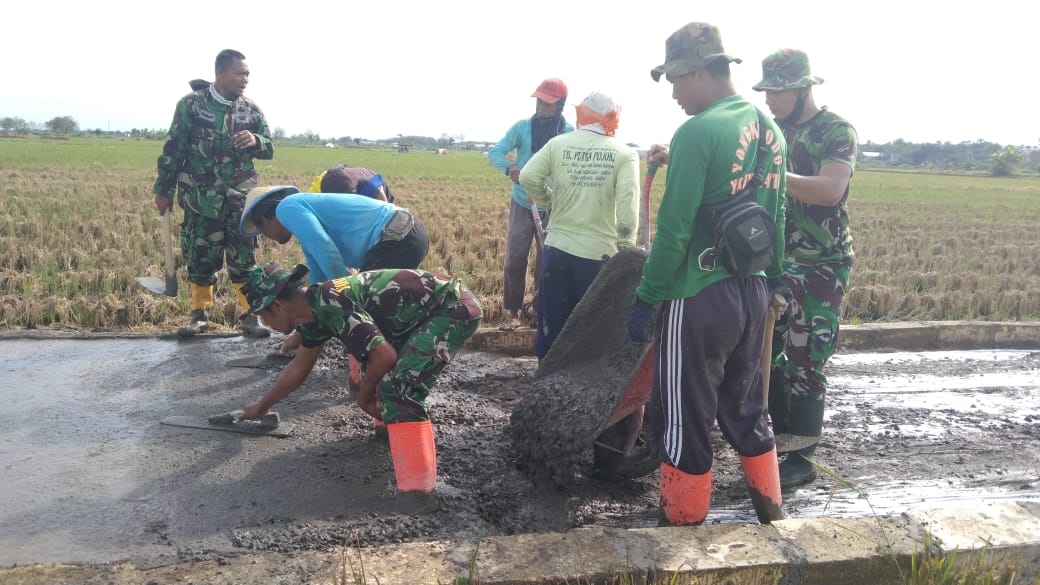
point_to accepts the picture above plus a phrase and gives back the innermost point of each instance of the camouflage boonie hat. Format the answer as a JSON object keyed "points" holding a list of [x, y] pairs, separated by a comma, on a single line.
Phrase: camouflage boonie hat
{"points": [[690, 48], [786, 69], [263, 285]]}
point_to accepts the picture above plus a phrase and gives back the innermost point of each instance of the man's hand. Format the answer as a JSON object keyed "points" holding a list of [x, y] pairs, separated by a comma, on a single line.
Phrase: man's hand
{"points": [[253, 411], [244, 140], [164, 204], [658, 153], [640, 322], [780, 296], [369, 404], [514, 173]]}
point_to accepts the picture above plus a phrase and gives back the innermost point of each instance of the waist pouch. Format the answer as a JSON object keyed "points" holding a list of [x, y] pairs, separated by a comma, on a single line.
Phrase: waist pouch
{"points": [[399, 226]]}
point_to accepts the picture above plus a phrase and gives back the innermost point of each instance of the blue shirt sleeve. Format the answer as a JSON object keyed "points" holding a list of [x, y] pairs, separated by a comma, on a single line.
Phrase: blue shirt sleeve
{"points": [[509, 143]]}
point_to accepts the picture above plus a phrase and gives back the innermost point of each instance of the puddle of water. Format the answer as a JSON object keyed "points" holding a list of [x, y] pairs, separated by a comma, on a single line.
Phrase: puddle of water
{"points": [[894, 498], [1011, 395], [909, 357]]}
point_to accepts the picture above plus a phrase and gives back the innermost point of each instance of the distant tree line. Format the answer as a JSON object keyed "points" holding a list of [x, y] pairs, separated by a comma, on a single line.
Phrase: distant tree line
{"points": [[978, 156]]}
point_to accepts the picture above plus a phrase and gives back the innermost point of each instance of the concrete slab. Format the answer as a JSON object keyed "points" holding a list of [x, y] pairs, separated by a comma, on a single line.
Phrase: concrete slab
{"points": [[1006, 533], [850, 550]]}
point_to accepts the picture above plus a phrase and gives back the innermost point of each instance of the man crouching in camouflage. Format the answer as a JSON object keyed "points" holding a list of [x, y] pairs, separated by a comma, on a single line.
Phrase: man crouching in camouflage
{"points": [[215, 135], [404, 325]]}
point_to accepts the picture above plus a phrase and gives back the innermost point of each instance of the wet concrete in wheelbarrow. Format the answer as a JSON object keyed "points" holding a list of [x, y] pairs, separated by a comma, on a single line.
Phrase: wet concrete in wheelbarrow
{"points": [[91, 477]]}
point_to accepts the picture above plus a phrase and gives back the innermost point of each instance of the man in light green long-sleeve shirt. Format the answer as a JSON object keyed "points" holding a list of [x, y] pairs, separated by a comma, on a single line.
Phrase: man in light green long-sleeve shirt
{"points": [[595, 209]]}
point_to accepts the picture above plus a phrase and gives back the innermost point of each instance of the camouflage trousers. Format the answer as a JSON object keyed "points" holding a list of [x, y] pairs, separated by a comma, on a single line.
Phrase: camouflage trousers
{"points": [[210, 234], [402, 392], [806, 336]]}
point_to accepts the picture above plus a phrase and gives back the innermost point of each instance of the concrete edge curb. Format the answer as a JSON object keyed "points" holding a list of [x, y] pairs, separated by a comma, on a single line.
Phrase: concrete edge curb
{"points": [[851, 551]]}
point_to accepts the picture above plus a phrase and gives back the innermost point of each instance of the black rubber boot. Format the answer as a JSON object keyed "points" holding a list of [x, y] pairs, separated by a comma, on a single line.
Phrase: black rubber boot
{"points": [[251, 327], [806, 419], [197, 323]]}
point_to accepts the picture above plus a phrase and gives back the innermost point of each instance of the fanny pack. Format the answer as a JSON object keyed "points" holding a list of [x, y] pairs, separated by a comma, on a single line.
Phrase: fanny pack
{"points": [[398, 226], [743, 232]]}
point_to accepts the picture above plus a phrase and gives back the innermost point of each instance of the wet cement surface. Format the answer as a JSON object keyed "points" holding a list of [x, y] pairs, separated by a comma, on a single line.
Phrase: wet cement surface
{"points": [[91, 477]]}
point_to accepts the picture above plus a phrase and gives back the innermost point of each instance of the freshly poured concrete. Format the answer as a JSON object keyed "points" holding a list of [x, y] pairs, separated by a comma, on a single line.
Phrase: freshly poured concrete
{"points": [[90, 477]]}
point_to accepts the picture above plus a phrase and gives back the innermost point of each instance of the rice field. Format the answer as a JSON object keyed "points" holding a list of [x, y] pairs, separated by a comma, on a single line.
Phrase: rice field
{"points": [[78, 223]]}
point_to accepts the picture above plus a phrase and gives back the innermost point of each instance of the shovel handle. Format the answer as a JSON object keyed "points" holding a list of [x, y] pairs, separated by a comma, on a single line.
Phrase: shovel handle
{"points": [[171, 271], [167, 242]]}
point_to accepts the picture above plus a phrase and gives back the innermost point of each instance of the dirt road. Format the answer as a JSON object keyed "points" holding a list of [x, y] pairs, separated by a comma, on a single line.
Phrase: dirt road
{"points": [[90, 477]]}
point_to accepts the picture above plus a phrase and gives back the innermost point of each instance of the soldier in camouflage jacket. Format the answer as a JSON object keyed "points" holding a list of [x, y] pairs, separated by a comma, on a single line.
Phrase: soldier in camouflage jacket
{"points": [[818, 256], [404, 325], [207, 160]]}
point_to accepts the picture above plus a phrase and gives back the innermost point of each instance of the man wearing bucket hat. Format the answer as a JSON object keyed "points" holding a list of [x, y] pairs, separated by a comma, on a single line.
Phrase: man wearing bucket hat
{"points": [[818, 258], [523, 140], [355, 180], [406, 325], [336, 232], [595, 209], [709, 325], [207, 160]]}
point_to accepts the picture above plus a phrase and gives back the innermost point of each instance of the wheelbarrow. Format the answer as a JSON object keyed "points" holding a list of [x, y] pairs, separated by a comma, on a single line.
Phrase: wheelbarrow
{"points": [[589, 390]]}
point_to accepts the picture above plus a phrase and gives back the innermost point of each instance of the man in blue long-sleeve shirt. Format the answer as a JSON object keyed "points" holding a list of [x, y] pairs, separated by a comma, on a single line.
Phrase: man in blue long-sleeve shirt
{"points": [[336, 231], [525, 138]]}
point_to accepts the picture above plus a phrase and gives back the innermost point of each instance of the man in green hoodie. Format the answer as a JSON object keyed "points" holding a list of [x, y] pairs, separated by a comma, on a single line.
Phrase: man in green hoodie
{"points": [[708, 329]]}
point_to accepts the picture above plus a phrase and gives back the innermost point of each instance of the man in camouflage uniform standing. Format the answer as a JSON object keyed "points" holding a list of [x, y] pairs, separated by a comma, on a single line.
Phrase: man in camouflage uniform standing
{"points": [[818, 258], [405, 325], [208, 160]]}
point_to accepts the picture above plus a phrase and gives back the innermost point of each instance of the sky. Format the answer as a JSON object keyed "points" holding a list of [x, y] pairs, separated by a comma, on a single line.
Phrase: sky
{"points": [[920, 70]]}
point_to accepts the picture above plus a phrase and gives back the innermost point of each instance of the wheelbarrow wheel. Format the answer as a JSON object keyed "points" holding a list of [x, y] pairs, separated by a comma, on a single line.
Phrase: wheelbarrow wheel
{"points": [[610, 465]]}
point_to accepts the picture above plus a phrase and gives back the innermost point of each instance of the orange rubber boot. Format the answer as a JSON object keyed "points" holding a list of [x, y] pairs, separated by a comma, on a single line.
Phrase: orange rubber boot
{"points": [[415, 466], [763, 481], [685, 498]]}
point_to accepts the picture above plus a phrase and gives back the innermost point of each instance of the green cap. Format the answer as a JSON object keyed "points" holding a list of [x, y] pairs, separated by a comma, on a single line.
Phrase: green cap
{"points": [[691, 48], [263, 284], [786, 69]]}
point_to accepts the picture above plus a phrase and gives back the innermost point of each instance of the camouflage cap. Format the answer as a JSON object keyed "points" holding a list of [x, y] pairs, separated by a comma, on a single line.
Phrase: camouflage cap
{"points": [[264, 283], [690, 48], [786, 69]]}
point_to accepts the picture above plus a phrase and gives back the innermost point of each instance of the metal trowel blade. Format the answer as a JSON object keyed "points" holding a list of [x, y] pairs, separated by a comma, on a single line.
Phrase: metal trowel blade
{"points": [[271, 360]]}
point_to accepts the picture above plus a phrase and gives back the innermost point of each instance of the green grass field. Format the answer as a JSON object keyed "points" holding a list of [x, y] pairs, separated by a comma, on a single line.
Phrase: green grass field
{"points": [[78, 223]]}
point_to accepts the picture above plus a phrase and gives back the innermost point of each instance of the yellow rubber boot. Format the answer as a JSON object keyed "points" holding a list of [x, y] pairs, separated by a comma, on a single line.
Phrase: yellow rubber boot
{"points": [[201, 303], [415, 466], [685, 497], [251, 326]]}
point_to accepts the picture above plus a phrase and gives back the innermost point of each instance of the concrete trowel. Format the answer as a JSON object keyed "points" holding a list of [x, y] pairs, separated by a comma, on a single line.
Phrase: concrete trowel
{"points": [[274, 360], [154, 283], [270, 424]]}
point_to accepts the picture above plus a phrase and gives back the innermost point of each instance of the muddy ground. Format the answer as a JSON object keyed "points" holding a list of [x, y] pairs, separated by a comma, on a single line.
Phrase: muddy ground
{"points": [[91, 478]]}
